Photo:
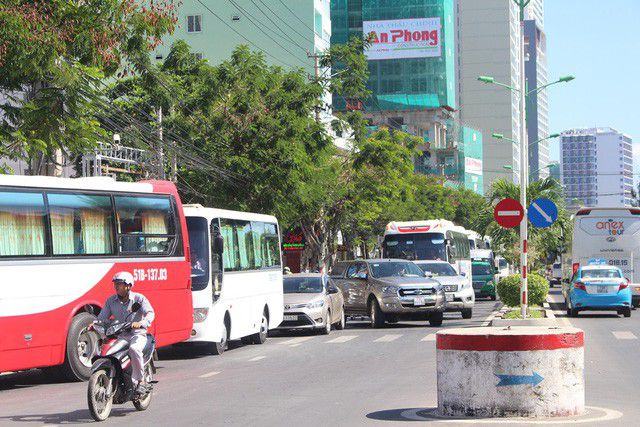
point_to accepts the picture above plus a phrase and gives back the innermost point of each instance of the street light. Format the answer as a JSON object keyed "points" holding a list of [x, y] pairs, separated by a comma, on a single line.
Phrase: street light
{"points": [[501, 136]]}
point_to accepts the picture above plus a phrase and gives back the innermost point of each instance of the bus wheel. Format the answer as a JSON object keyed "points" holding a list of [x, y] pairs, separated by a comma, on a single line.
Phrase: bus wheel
{"points": [[217, 348], [261, 336], [80, 348]]}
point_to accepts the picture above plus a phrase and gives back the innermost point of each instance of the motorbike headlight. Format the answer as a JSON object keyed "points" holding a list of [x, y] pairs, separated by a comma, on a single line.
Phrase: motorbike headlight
{"points": [[200, 314], [316, 304], [390, 290]]}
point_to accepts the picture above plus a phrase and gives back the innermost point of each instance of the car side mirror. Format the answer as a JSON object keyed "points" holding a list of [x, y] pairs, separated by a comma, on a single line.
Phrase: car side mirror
{"points": [[463, 274]]}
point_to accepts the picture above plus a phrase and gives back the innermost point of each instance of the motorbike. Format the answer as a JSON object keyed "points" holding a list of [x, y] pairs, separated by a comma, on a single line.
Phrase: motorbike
{"points": [[110, 381]]}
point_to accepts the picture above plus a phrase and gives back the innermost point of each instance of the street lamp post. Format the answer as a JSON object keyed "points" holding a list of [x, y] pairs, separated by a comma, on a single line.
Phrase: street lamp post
{"points": [[524, 151]]}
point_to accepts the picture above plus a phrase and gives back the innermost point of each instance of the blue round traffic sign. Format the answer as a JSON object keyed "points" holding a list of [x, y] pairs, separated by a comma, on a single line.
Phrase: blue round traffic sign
{"points": [[542, 212]]}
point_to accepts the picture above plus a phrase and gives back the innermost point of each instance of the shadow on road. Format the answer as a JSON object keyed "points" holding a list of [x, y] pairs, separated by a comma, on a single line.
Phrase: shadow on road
{"points": [[189, 351], [31, 378], [405, 414], [73, 417]]}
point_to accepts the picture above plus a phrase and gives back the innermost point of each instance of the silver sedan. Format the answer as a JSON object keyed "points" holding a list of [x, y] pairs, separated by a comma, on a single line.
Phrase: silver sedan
{"points": [[311, 301]]}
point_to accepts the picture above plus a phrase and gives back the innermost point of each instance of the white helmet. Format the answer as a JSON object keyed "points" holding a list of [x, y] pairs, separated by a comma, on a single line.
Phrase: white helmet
{"points": [[125, 277]]}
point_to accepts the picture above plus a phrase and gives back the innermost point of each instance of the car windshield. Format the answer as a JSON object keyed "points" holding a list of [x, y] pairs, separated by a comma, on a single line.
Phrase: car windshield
{"points": [[414, 246], [395, 268], [601, 273], [302, 285], [438, 269], [481, 269]]}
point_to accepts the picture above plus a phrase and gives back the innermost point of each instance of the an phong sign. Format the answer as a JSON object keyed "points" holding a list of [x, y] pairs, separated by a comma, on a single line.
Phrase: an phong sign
{"points": [[403, 38]]}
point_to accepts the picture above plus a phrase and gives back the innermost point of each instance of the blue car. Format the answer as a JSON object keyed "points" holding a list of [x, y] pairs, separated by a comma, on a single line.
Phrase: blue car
{"points": [[598, 287]]}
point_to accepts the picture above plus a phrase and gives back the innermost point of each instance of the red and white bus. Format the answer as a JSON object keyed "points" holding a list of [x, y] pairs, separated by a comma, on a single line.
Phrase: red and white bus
{"points": [[61, 242]]}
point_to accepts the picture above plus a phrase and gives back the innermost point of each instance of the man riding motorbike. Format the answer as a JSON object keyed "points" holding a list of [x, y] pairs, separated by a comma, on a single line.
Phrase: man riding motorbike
{"points": [[119, 306]]}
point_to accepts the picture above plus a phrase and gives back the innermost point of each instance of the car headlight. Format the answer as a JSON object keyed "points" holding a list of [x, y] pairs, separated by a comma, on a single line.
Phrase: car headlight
{"points": [[390, 290], [200, 314], [316, 304]]}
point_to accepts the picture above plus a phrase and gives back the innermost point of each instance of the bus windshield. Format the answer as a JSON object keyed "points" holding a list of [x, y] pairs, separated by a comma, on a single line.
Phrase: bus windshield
{"points": [[199, 244], [481, 269], [416, 246]]}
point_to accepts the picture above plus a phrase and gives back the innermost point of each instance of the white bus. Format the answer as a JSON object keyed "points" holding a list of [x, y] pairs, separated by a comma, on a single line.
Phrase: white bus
{"points": [[236, 276], [428, 240], [612, 234]]}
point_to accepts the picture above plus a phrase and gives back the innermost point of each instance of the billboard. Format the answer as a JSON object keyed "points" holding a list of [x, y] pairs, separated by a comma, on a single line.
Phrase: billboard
{"points": [[403, 38], [473, 166]]}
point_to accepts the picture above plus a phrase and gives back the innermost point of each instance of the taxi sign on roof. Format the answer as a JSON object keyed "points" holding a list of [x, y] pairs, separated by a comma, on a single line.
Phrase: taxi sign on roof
{"points": [[597, 261]]}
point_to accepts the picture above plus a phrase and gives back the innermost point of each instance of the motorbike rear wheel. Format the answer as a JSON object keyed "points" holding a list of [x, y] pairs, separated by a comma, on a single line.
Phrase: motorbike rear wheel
{"points": [[143, 402], [100, 395]]}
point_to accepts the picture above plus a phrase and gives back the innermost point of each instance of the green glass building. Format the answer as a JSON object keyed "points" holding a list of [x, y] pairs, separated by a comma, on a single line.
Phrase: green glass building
{"points": [[402, 83]]}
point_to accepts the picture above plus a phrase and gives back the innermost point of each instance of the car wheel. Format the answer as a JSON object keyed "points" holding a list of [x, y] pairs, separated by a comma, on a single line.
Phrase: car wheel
{"points": [[327, 324], [81, 346], [376, 315], [467, 313], [626, 312], [217, 348], [342, 323], [435, 319], [493, 297]]}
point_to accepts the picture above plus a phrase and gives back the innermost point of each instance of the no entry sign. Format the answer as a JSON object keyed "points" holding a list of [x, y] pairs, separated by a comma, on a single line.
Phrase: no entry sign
{"points": [[508, 213]]}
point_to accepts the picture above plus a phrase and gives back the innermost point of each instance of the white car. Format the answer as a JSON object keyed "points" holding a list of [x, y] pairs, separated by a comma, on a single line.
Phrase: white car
{"points": [[458, 291]]}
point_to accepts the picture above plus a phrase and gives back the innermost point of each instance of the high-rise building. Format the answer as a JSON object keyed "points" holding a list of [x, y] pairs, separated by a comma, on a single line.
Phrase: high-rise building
{"points": [[489, 40], [286, 31], [412, 78], [596, 167], [554, 171]]}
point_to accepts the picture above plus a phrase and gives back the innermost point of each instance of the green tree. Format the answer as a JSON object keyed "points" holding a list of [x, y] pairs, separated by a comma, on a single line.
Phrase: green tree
{"points": [[53, 56]]}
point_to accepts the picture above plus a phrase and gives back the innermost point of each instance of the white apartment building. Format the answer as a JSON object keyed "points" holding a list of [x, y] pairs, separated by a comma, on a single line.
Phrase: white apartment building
{"points": [[488, 44], [596, 167]]}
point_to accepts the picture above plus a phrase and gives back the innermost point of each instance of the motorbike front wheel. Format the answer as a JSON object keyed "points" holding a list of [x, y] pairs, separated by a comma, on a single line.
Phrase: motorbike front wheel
{"points": [[100, 395], [143, 402]]}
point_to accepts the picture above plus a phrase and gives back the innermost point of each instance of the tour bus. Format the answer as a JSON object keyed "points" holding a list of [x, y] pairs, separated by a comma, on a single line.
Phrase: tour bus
{"points": [[612, 234], [475, 239], [236, 273], [61, 242], [428, 240]]}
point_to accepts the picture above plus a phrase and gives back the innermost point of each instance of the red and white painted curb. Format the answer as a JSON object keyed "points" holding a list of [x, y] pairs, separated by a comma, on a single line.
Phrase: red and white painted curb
{"points": [[519, 371]]}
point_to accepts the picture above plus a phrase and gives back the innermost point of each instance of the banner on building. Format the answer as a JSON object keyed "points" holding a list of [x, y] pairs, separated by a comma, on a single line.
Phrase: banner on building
{"points": [[473, 166], [403, 38]]}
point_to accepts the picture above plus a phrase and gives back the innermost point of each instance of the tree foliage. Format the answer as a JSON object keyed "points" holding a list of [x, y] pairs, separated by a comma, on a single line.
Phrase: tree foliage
{"points": [[53, 56]]}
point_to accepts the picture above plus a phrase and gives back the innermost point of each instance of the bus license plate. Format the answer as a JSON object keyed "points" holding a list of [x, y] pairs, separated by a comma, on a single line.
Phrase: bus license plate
{"points": [[419, 301], [603, 289], [290, 317]]}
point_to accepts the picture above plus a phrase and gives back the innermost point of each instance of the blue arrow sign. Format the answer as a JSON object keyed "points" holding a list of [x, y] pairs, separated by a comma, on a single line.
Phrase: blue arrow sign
{"points": [[542, 212], [519, 379]]}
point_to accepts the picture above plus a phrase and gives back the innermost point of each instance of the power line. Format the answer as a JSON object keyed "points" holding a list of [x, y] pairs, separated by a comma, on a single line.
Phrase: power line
{"points": [[249, 17], [282, 20], [243, 37], [297, 17]]}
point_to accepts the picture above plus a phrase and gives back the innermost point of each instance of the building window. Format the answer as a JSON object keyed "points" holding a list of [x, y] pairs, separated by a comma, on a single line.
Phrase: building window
{"points": [[194, 23]]}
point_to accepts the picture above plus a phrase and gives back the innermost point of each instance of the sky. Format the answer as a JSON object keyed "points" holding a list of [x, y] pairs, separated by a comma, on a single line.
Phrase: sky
{"points": [[598, 41]]}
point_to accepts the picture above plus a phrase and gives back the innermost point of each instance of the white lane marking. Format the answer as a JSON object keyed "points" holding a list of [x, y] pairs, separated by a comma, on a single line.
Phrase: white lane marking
{"points": [[342, 339], [255, 359], [295, 345], [508, 213], [541, 212], [430, 337], [209, 374], [624, 335], [298, 340], [387, 338]]}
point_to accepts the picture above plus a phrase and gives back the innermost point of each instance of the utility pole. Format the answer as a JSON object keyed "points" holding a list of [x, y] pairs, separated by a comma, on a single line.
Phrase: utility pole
{"points": [[160, 171], [316, 69]]}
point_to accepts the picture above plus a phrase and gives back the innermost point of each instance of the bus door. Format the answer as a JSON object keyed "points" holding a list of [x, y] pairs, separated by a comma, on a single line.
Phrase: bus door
{"points": [[217, 250]]}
